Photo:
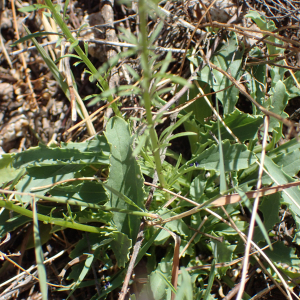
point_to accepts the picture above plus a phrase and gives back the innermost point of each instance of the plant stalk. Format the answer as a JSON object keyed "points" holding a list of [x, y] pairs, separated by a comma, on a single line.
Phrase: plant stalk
{"points": [[58, 19], [146, 89]]}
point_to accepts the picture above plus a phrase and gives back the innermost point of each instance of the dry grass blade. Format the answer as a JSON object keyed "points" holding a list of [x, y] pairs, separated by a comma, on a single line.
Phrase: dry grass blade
{"points": [[254, 212], [229, 199], [193, 237], [224, 200], [176, 257], [244, 238]]}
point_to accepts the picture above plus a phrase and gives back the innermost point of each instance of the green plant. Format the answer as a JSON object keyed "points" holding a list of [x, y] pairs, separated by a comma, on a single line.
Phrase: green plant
{"points": [[223, 155]]}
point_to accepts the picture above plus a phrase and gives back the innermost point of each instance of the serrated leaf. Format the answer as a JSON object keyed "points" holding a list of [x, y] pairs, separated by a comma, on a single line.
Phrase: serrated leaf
{"points": [[94, 241], [47, 165], [224, 230], [224, 253], [229, 59], [121, 246], [177, 226], [263, 24], [236, 157], [279, 101], [157, 285], [287, 147], [283, 254], [244, 127], [7, 171], [124, 176], [293, 192], [86, 191], [292, 90], [43, 176], [91, 152], [89, 215], [290, 162]]}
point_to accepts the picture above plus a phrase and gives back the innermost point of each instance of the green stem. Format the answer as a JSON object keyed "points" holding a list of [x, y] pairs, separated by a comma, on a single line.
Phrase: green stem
{"points": [[60, 222], [146, 87], [60, 22], [72, 202]]}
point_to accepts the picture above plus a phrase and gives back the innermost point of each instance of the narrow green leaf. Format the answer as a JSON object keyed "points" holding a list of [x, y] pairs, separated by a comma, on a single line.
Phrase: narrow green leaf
{"points": [[210, 281], [87, 265], [53, 68], [39, 255], [68, 55], [132, 72], [33, 7], [176, 79], [167, 282], [34, 35], [181, 134], [73, 45], [65, 8], [171, 128], [223, 185], [86, 48]]}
